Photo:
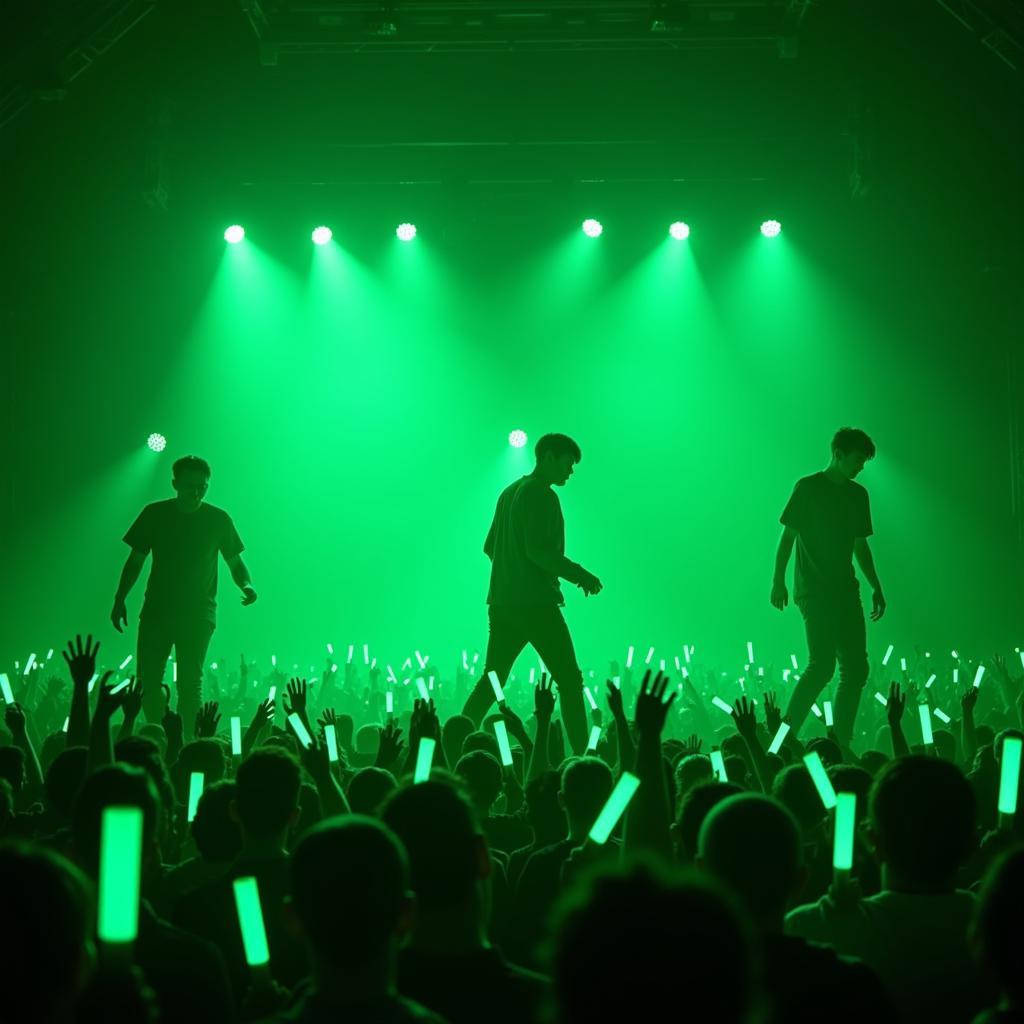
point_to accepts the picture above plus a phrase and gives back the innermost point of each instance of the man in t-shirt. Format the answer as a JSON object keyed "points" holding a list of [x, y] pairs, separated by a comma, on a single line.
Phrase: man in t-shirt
{"points": [[829, 520], [180, 608], [526, 546]]}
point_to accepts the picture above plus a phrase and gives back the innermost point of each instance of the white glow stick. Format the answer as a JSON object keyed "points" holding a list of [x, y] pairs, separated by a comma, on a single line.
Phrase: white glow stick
{"points": [[686, 653], [780, 736], [650, 654], [686, 672], [423, 661], [430, 683], [903, 664], [816, 710], [1022, 659], [941, 716], [978, 675], [334, 668], [888, 655], [956, 675], [629, 657], [392, 678], [785, 675], [955, 655], [92, 682], [929, 681], [272, 693], [351, 651], [300, 730], [718, 765], [424, 758], [617, 682], [504, 750], [661, 665], [750, 652], [822, 783], [881, 698], [760, 672], [195, 791], [590, 698], [273, 660], [926, 724], [595, 737], [120, 686], [174, 672], [721, 704], [533, 675], [67, 722], [28, 664], [499, 694], [331, 737], [389, 702], [236, 736], [792, 658], [5, 685], [366, 654], [49, 654], [828, 714], [330, 650], [406, 664], [614, 808], [422, 687]]}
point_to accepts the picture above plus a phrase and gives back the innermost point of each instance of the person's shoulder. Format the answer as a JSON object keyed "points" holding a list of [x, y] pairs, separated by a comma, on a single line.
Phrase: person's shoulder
{"points": [[214, 512], [859, 489], [159, 508], [810, 481]]}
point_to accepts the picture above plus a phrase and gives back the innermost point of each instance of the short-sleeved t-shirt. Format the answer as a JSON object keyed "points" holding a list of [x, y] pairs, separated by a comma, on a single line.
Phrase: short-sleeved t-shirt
{"points": [[827, 516], [183, 579]]}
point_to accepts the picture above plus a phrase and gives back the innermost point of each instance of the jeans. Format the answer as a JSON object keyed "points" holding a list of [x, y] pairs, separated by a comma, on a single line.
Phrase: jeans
{"points": [[835, 632], [543, 627], [190, 639]]}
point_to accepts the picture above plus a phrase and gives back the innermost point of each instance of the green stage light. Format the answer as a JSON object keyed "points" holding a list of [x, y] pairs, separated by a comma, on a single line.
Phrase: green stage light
{"points": [[770, 228], [680, 231], [592, 228], [406, 232], [322, 235], [234, 234], [517, 439], [156, 442]]}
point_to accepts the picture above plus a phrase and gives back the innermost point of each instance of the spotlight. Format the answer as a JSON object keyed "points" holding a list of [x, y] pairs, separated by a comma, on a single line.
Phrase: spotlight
{"points": [[592, 228], [322, 235], [156, 442], [770, 228], [517, 439], [406, 232], [679, 231], [234, 234]]}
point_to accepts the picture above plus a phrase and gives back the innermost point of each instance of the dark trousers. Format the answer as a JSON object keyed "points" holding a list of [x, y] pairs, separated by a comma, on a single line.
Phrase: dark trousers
{"points": [[544, 628], [190, 638], [835, 633]]}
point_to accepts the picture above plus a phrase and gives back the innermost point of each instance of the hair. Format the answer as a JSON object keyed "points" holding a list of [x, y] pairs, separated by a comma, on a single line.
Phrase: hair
{"points": [[480, 740], [12, 766], [267, 790], [673, 918], [453, 735], [849, 778], [190, 464], [795, 788], [64, 780], [923, 811], [827, 749], [996, 934], [586, 784], [203, 755], [6, 804], [349, 884], [694, 808], [144, 753], [109, 786], [849, 439], [691, 771], [367, 739], [217, 835], [368, 789], [542, 811], [438, 827], [557, 445], [481, 773], [751, 843]]}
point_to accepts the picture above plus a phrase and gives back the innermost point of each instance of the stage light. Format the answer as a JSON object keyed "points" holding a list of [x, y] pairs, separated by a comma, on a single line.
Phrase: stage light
{"points": [[156, 442], [322, 235], [770, 228], [406, 232], [592, 228], [517, 439], [234, 234], [679, 231]]}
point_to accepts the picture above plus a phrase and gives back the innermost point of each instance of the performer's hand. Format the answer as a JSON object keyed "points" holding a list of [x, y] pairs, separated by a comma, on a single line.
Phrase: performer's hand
{"points": [[119, 614], [780, 596], [589, 583], [877, 605], [248, 595]]}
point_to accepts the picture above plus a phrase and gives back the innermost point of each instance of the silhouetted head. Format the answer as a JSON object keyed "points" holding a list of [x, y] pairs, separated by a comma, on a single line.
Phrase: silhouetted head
{"points": [[996, 936], [794, 787], [851, 448], [556, 456], [481, 773], [191, 478], [693, 809], [453, 735], [63, 781], [585, 787], [216, 832], [267, 792], [368, 788], [12, 767]]}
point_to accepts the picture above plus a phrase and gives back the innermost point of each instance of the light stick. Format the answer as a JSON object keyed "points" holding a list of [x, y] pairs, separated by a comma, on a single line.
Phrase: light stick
{"points": [[422, 687], [392, 678], [629, 657], [888, 655], [174, 672], [120, 874], [533, 675], [822, 783], [661, 665], [366, 654], [941, 715], [351, 651], [499, 693], [881, 698], [816, 710], [780, 736], [718, 765], [1022, 659], [67, 722], [120, 686], [846, 823], [614, 807], [503, 746], [792, 658], [49, 654], [1009, 775], [595, 736], [678, 665], [331, 737], [829, 722], [92, 682], [250, 918], [650, 654], [5, 685], [721, 704], [423, 661], [590, 698], [330, 650], [956, 675], [978, 675], [273, 660], [929, 681], [272, 693], [760, 672], [406, 664], [617, 682], [236, 736], [196, 782], [926, 724], [300, 730], [389, 702], [750, 652], [686, 653], [424, 758], [28, 664], [903, 664]]}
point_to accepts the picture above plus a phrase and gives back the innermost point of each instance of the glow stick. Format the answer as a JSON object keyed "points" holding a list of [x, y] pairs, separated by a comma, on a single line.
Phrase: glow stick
{"points": [[929, 681], [903, 664], [423, 661], [330, 649], [721, 704], [941, 715], [424, 758], [300, 730], [881, 698], [422, 687], [373, 664], [174, 672], [590, 698], [926, 724], [49, 654], [822, 783], [816, 710], [785, 675], [686, 653], [334, 668], [5, 685], [430, 683], [614, 807], [273, 660], [351, 651], [978, 675], [956, 675], [1022, 659], [503, 746], [629, 657], [406, 664], [888, 655], [236, 736], [595, 736], [392, 678], [476, 658], [272, 693], [792, 658], [533, 674], [750, 652], [661, 665], [120, 874], [828, 714], [499, 693], [846, 823], [28, 664], [955, 655], [686, 673], [250, 918], [650, 654], [120, 686], [366, 654], [780, 736], [389, 702], [214, 666], [92, 682], [718, 765], [760, 672], [331, 736], [67, 722], [617, 682], [196, 782], [1009, 775], [465, 660]]}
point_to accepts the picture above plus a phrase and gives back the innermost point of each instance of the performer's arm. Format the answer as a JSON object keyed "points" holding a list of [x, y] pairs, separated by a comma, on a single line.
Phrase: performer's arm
{"points": [[239, 572], [786, 542], [130, 573], [862, 553], [542, 552]]}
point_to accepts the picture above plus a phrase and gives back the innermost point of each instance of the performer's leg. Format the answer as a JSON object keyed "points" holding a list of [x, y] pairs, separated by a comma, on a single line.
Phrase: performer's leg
{"points": [[852, 652], [154, 647], [505, 641], [191, 641], [550, 637], [820, 616]]}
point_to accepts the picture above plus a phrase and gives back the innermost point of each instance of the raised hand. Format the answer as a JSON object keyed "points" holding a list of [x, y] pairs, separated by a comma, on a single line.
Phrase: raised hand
{"points": [[14, 719], [513, 722], [968, 700], [615, 704], [132, 703], [743, 716], [81, 660], [424, 721], [328, 717], [896, 703], [243, 668], [651, 706], [772, 712], [107, 701], [391, 746], [543, 697], [295, 703], [692, 745], [263, 715], [207, 720]]}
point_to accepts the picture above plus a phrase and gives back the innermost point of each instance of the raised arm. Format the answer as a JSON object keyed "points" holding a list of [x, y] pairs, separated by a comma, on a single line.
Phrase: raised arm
{"points": [[647, 820], [894, 713]]}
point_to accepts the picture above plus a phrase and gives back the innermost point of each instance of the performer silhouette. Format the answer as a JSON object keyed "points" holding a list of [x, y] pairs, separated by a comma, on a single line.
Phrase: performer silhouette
{"points": [[526, 546], [829, 519], [185, 535]]}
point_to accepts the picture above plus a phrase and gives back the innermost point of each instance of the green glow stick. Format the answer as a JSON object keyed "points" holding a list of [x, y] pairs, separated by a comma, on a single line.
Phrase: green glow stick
{"points": [[300, 730], [1021, 659], [926, 724], [829, 722], [792, 659], [120, 686], [615, 807], [629, 657], [236, 736], [590, 698], [978, 675], [903, 664], [929, 681], [880, 697], [816, 710], [750, 652], [67, 722], [195, 790], [721, 704], [5, 685], [422, 687], [846, 823], [499, 694], [822, 783], [389, 702], [272, 693], [424, 758], [127, 661], [780, 736], [595, 736], [1009, 775], [250, 917], [120, 874], [331, 736], [888, 655], [650, 654], [941, 716], [503, 747], [718, 765]]}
